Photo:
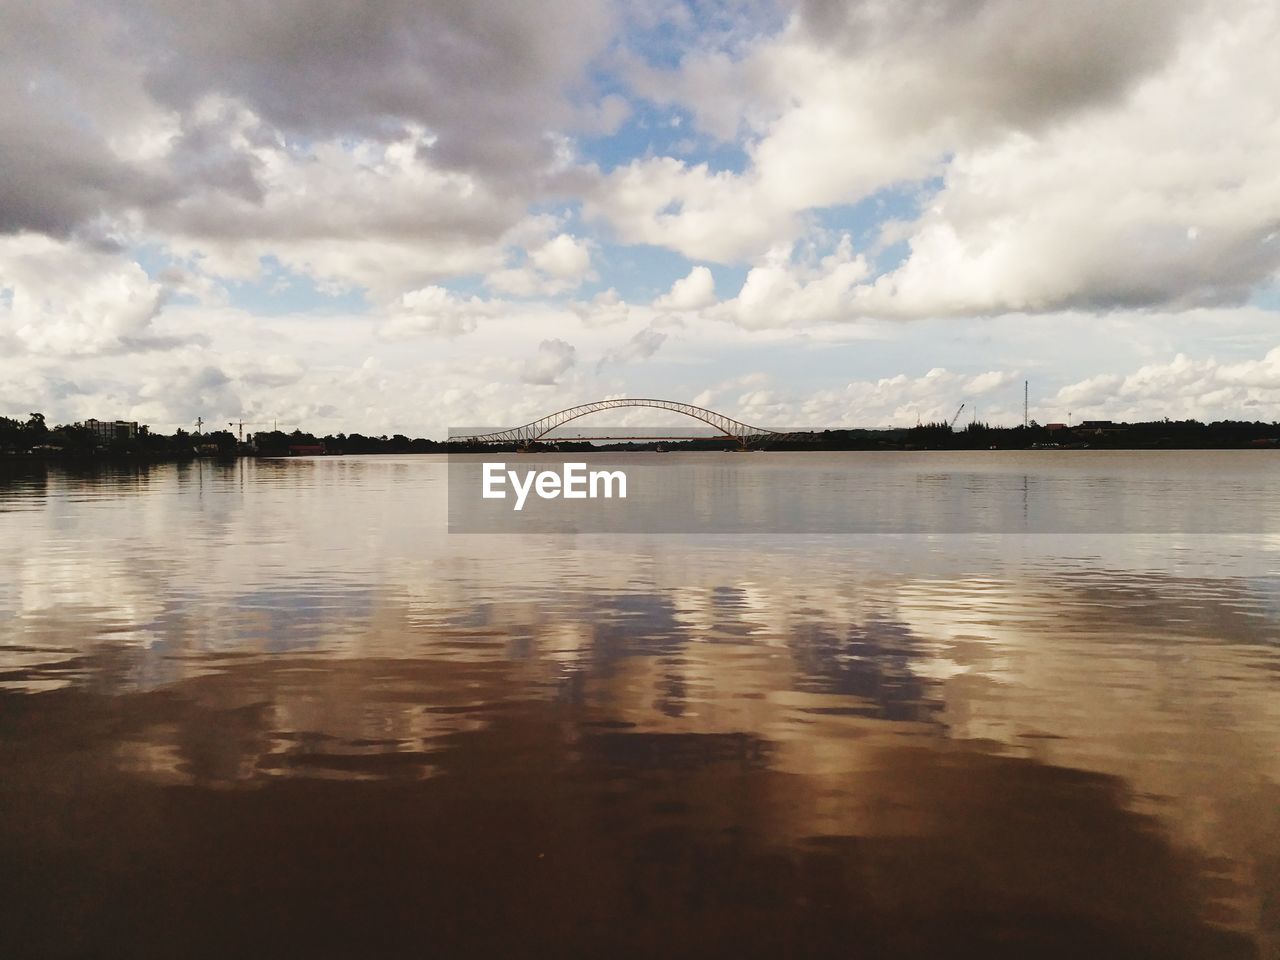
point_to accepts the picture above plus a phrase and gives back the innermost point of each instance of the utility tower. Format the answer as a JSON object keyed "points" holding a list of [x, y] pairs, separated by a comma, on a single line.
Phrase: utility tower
{"points": [[1025, 422]]}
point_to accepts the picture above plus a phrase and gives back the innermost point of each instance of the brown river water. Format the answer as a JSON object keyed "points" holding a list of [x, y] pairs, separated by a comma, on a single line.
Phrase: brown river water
{"points": [[276, 709]]}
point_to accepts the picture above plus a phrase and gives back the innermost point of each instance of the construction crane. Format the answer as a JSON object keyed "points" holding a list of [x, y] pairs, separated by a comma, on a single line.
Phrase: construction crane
{"points": [[241, 424], [956, 417]]}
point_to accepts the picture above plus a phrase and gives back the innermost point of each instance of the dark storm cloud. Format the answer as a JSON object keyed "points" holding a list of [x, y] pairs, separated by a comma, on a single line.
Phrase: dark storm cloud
{"points": [[204, 154], [1018, 61], [487, 79], [53, 180], [488, 76], [56, 98]]}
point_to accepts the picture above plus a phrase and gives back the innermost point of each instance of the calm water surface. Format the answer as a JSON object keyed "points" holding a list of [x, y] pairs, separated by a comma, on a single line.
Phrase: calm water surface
{"points": [[273, 709]]}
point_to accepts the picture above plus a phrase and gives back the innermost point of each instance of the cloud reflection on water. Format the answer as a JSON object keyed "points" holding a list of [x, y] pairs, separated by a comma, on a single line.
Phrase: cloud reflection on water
{"points": [[847, 702]]}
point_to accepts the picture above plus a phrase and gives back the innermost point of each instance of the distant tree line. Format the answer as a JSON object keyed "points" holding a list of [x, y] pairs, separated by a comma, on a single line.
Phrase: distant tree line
{"points": [[277, 443], [1155, 434], [32, 436]]}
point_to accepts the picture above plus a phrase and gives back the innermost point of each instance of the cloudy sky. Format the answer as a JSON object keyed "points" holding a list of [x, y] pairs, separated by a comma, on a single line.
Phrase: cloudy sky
{"points": [[399, 216]]}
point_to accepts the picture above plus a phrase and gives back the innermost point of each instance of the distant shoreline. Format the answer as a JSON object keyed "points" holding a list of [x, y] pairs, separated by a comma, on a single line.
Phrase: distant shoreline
{"points": [[33, 441], [124, 459]]}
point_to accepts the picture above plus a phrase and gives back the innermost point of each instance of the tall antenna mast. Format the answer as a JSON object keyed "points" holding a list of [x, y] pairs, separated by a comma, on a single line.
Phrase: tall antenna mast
{"points": [[1025, 422]]}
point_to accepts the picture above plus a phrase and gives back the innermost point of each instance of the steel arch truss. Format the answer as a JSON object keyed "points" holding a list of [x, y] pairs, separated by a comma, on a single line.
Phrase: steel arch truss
{"points": [[529, 433]]}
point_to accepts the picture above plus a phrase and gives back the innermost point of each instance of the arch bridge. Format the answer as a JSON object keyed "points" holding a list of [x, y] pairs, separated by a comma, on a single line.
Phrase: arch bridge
{"points": [[729, 428]]}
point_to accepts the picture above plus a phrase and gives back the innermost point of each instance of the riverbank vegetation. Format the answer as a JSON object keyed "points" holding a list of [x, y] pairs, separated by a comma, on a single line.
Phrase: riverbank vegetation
{"points": [[31, 436]]}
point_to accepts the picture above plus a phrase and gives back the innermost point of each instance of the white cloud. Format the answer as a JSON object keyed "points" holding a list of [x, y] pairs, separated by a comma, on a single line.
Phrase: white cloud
{"points": [[900, 400], [703, 214], [1170, 200], [987, 382], [711, 396], [1143, 174], [68, 299], [606, 308], [643, 345], [559, 264], [553, 359], [563, 257], [434, 310], [693, 292], [781, 291], [1180, 388]]}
